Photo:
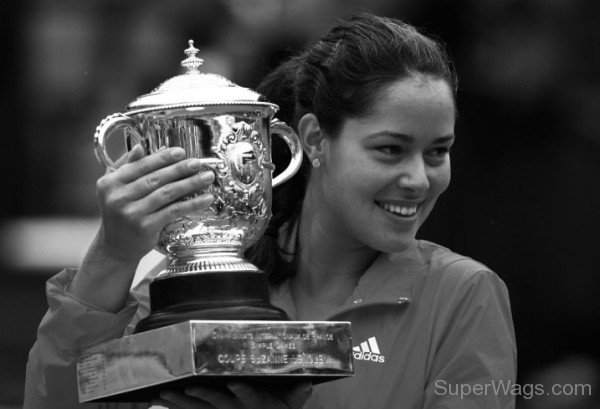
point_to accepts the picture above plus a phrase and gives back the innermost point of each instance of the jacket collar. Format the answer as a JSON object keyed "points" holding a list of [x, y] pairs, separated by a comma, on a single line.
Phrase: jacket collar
{"points": [[389, 279]]}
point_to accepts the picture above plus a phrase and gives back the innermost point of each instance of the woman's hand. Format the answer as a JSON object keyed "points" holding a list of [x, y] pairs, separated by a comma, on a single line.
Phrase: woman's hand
{"points": [[136, 201], [236, 396], [142, 196]]}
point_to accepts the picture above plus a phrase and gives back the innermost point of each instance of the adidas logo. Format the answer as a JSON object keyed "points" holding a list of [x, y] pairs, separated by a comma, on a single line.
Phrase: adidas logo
{"points": [[368, 351]]}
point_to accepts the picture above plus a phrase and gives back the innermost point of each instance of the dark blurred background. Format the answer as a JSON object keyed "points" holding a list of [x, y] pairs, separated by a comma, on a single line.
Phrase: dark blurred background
{"points": [[524, 199]]}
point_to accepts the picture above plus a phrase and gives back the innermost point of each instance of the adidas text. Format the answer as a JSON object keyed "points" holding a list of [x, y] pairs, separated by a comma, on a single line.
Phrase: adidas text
{"points": [[368, 356]]}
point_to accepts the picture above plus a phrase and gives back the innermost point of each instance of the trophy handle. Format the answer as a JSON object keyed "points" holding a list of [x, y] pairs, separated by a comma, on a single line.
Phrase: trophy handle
{"points": [[293, 142], [103, 132]]}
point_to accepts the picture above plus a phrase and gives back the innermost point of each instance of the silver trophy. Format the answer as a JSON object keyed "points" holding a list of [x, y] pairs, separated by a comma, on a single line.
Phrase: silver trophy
{"points": [[208, 287], [229, 129]]}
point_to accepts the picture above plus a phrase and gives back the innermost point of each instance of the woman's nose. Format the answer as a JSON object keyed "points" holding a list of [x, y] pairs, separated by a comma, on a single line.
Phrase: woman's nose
{"points": [[413, 176]]}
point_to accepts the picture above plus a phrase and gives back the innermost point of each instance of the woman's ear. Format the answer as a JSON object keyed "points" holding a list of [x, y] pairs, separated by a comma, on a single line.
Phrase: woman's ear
{"points": [[311, 136]]}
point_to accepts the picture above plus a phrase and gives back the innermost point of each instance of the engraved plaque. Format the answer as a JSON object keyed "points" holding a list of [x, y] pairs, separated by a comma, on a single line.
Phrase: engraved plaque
{"points": [[137, 367]]}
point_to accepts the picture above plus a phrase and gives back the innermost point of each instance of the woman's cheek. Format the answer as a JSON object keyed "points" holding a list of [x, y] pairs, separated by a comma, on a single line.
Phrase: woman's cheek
{"points": [[440, 179]]}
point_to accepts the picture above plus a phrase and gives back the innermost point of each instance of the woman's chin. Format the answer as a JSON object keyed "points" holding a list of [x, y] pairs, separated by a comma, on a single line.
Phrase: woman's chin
{"points": [[395, 245]]}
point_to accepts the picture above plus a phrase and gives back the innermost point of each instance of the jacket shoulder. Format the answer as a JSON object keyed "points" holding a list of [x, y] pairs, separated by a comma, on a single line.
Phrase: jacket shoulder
{"points": [[441, 260], [451, 272]]}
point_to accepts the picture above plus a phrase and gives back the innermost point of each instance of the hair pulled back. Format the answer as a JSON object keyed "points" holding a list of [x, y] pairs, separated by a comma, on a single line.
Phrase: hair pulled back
{"points": [[337, 78]]}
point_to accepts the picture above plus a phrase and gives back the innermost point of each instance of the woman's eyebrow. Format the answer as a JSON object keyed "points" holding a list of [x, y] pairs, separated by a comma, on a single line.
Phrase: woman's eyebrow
{"points": [[404, 137], [409, 138], [444, 139]]}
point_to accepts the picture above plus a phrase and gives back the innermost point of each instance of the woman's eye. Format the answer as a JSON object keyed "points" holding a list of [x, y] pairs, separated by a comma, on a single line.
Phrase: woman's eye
{"points": [[440, 151], [391, 150]]}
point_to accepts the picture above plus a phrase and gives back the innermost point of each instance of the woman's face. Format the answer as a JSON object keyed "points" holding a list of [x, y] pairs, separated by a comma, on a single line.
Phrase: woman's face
{"points": [[382, 174]]}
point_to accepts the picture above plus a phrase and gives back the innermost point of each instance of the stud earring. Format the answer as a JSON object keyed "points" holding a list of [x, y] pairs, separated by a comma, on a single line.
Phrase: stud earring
{"points": [[316, 162]]}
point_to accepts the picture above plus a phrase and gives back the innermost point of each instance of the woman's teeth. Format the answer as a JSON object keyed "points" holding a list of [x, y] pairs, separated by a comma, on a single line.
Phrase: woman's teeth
{"points": [[400, 210]]}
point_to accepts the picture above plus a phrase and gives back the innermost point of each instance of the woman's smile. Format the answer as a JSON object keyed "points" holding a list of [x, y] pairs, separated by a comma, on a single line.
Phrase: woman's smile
{"points": [[404, 211]]}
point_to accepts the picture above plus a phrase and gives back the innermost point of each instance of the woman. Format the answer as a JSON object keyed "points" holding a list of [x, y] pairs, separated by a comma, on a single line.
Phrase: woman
{"points": [[374, 104]]}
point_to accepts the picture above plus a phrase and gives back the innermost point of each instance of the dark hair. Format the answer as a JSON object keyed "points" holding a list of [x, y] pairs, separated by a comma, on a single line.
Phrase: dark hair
{"points": [[337, 78]]}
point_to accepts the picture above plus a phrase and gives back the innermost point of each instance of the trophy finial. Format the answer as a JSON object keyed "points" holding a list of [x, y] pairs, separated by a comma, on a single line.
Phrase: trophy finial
{"points": [[192, 62]]}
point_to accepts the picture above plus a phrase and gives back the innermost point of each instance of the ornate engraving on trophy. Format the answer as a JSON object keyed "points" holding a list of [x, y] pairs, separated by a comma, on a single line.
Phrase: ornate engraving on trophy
{"points": [[232, 147]]}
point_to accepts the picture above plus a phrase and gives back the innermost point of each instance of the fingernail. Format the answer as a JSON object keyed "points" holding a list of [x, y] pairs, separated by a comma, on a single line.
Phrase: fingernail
{"points": [[178, 153], [206, 199], [208, 177], [195, 164]]}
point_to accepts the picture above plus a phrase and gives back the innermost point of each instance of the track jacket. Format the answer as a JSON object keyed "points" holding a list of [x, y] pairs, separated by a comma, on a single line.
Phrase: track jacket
{"points": [[430, 329]]}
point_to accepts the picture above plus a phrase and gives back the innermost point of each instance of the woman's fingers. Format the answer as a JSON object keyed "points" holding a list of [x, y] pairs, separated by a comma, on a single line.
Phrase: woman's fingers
{"points": [[136, 153], [153, 181], [178, 400], [292, 397], [170, 194], [237, 396], [132, 171], [179, 209], [297, 396], [216, 397], [143, 195]]}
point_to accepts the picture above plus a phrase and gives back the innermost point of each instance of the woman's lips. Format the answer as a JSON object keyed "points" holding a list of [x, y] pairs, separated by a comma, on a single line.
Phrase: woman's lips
{"points": [[401, 210]]}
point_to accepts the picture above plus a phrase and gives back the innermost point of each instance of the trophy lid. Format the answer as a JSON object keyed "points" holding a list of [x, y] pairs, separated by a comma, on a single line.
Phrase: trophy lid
{"points": [[195, 88]]}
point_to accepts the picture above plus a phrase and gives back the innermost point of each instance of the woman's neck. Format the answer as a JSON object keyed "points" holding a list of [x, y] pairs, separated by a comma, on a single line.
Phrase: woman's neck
{"points": [[328, 263]]}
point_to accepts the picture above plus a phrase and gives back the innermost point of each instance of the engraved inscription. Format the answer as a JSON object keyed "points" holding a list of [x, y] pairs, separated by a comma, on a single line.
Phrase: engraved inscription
{"points": [[273, 349], [91, 372]]}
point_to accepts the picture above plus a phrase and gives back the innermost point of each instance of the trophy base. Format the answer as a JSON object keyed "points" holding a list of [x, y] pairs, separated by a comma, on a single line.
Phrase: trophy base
{"points": [[269, 354], [242, 312], [221, 295]]}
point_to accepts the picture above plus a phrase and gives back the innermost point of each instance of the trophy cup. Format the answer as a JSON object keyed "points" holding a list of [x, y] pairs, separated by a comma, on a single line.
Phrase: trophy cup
{"points": [[211, 319]]}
